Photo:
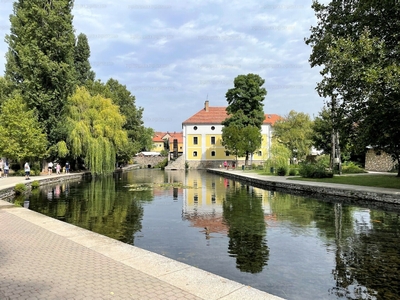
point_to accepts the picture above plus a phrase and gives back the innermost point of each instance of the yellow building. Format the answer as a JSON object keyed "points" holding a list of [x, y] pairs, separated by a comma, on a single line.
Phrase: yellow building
{"points": [[202, 139], [158, 142]]}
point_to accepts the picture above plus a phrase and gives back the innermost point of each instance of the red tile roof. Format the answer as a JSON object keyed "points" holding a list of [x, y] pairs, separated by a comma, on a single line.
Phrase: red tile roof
{"points": [[176, 135], [215, 115]]}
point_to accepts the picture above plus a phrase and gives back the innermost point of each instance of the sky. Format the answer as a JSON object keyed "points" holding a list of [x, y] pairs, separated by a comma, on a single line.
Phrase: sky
{"points": [[174, 55]]}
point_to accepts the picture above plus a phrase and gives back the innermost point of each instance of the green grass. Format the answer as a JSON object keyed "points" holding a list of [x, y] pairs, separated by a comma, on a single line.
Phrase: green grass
{"points": [[383, 181]]}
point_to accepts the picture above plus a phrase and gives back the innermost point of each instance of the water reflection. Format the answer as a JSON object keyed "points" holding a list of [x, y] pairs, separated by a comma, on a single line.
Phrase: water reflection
{"points": [[291, 246], [244, 215]]}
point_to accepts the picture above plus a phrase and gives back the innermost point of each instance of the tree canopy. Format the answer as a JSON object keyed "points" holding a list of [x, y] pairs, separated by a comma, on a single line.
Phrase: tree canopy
{"points": [[245, 101], [81, 60], [242, 129], [358, 45], [294, 131], [21, 135], [95, 130], [40, 58]]}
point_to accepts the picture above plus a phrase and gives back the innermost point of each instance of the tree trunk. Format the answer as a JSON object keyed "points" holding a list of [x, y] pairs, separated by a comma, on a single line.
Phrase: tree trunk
{"points": [[339, 156], [398, 165], [333, 150]]}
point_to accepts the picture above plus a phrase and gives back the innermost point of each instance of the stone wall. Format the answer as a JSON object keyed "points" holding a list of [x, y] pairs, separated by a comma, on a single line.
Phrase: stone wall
{"points": [[381, 162], [148, 161]]}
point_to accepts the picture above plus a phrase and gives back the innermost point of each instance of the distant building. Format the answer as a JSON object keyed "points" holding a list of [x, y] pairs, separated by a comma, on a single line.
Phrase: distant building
{"points": [[202, 139], [158, 142], [168, 141]]}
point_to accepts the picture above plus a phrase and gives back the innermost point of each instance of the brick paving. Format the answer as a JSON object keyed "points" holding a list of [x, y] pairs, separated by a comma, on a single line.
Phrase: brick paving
{"points": [[44, 258]]}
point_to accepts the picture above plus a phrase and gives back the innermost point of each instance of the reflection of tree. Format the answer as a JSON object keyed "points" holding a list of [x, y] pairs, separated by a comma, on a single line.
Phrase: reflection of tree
{"points": [[242, 211], [97, 205], [371, 259]]}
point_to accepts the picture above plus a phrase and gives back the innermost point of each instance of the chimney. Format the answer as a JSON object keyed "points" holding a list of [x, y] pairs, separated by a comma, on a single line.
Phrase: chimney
{"points": [[206, 105]]}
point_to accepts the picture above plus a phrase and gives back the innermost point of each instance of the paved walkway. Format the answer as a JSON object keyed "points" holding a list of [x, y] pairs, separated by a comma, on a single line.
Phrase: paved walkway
{"points": [[44, 258]]}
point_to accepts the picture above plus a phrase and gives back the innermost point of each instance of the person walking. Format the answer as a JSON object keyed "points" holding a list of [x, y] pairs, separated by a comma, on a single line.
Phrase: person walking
{"points": [[58, 168], [27, 171], [6, 169], [1, 167], [50, 168], [67, 167]]}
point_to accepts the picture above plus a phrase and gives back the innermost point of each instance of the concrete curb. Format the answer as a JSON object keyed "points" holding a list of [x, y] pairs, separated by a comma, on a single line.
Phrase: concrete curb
{"points": [[315, 189]]}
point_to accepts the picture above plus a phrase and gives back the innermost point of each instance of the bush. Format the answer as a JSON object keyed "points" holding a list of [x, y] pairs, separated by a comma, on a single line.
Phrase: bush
{"points": [[20, 188], [35, 184], [162, 164], [314, 170], [292, 172], [351, 167], [282, 171]]}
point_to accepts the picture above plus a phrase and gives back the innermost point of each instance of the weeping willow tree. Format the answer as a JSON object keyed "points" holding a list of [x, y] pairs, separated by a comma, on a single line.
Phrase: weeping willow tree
{"points": [[95, 130]]}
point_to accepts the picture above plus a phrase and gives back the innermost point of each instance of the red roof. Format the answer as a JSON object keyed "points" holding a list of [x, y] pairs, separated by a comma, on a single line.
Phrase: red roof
{"points": [[158, 137], [176, 136], [215, 115]]}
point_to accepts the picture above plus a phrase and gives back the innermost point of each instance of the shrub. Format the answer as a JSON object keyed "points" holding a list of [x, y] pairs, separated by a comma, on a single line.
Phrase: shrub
{"points": [[314, 170], [282, 170], [162, 164], [292, 172], [35, 184], [351, 167], [20, 188]]}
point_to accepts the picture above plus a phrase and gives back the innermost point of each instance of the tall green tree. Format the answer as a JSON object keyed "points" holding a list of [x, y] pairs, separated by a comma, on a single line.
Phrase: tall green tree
{"points": [[21, 135], [40, 58], [95, 130], [294, 131], [5, 89], [81, 60], [357, 44], [140, 137], [245, 106]]}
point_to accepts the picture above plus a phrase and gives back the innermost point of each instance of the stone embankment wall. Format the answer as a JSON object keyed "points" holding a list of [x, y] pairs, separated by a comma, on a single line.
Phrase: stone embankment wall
{"points": [[380, 162], [9, 192], [148, 161], [322, 192]]}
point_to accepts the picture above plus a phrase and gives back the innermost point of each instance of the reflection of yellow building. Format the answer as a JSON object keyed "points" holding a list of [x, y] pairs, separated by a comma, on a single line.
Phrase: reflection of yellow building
{"points": [[207, 193], [202, 138]]}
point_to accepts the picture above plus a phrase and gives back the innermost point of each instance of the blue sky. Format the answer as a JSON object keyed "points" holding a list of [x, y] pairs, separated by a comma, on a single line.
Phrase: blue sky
{"points": [[175, 55]]}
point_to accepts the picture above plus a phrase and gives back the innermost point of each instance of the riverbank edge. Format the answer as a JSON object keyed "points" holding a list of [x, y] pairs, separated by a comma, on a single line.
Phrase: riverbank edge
{"points": [[314, 189]]}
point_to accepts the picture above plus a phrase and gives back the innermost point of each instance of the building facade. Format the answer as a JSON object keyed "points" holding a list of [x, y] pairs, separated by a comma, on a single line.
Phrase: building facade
{"points": [[202, 139]]}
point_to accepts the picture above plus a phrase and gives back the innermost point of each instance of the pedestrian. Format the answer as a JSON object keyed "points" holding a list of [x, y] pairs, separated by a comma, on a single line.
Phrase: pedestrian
{"points": [[67, 167], [1, 167], [6, 169], [225, 164], [27, 171], [58, 168], [50, 168]]}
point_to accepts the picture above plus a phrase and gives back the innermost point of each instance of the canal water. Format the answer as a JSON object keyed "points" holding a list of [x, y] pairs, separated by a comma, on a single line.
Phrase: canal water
{"points": [[287, 245]]}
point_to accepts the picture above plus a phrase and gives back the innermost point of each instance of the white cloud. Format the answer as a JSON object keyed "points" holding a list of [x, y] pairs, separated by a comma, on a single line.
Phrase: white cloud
{"points": [[173, 55]]}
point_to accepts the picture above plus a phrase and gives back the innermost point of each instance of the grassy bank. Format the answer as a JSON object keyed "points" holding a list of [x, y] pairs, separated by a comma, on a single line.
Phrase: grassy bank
{"points": [[383, 181]]}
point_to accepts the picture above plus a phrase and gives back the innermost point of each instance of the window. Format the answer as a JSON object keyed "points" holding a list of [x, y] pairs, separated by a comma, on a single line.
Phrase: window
{"points": [[212, 153], [227, 153], [259, 153], [195, 140], [212, 127], [212, 198], [195, 127], [194, 153], [196, 198], [213, 140]]}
